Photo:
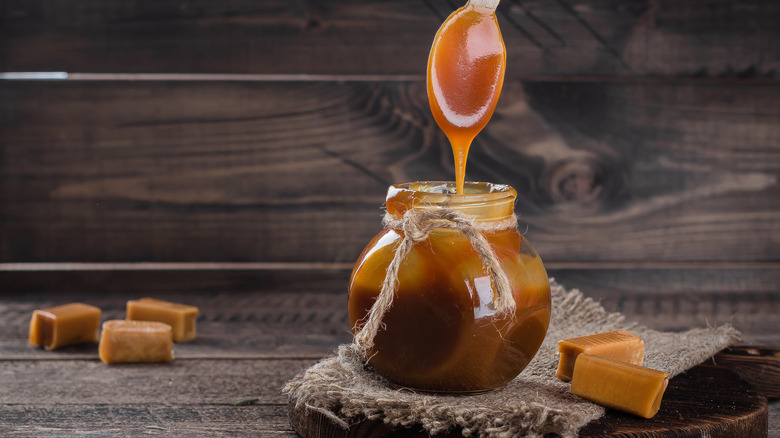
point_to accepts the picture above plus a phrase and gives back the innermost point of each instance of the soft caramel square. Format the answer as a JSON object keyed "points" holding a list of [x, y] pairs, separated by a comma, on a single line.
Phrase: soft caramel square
{"points": [[619, 385], [64, 325], [617, 344], [125, 341], [180, 317]]}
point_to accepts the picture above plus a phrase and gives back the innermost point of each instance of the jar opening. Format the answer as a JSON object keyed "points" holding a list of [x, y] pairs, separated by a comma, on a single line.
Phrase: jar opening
{"points": [[484, 201]]}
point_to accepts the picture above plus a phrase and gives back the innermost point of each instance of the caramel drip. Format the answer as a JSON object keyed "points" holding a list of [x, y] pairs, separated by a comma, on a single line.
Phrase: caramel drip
{"points": [[465, 75]]}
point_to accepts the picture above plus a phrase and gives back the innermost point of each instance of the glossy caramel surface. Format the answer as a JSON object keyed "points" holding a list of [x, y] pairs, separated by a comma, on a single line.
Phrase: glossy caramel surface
{"points": [[465, 75], [441, 333]]}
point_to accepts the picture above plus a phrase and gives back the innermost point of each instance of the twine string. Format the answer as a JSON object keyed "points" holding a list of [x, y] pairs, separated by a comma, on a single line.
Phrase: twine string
{"points": [[416, 225]]}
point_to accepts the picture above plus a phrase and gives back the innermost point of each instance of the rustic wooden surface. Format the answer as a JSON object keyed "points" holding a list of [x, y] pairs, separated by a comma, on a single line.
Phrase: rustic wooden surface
{"points": [[766, 375], [563, 37], [188, 172], [236, 154], [705, 401], [260, 137], [708, 400], [249, 344]]}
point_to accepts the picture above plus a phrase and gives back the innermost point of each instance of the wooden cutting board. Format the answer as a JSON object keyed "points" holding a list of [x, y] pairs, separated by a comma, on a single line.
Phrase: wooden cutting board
{"points": [[723, 397]]}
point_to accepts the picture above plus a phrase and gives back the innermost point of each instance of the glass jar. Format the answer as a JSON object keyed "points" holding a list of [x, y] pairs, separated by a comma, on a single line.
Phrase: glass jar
{"points": [[442, 332]]}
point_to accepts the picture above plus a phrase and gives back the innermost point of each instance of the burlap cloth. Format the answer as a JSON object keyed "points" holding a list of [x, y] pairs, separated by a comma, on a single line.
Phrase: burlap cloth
{"points": [[534, 404]]}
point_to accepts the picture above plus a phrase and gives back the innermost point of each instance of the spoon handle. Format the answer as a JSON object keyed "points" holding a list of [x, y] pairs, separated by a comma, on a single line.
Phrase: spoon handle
{"points": [[492, 4]]}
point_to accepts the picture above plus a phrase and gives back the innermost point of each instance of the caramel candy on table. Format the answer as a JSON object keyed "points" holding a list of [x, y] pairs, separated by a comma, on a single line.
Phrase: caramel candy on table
{"points": [[135, 341], [617, 344], [619, 385], [180, 317], [68, 324]]}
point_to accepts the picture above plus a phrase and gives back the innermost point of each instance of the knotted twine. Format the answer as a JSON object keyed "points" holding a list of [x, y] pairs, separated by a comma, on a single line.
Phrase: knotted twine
{"points": [[416, 225]]}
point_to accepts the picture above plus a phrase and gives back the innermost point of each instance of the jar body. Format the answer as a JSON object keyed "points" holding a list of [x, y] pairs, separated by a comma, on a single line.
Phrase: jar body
{"points": [[441, 333]]}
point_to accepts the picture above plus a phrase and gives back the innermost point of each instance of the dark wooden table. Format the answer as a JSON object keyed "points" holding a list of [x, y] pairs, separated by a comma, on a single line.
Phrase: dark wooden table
{"points": [[235, 155], [249, 344]]}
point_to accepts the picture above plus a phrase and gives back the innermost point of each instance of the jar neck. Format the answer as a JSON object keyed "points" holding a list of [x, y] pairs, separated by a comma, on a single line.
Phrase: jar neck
{"points": [[482, 201]]}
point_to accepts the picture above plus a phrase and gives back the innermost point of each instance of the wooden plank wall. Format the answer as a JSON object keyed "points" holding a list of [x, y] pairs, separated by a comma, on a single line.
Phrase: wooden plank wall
{"points": [[248, 144]]}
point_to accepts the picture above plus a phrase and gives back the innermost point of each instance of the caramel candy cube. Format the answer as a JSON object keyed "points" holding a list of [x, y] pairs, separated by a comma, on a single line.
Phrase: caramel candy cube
{"points": [[69, 324], [618, 344], [135, 341], [180, 317], [619, 385]]}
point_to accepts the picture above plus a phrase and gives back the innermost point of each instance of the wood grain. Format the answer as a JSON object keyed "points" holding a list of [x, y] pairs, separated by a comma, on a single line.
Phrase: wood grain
{"points": [[759, 366], [232, 324], [704, 401], [665, 299], [676, 299], [309, 325], [347, 37], [182, 382], [249, 344], [186, 172], [172, 280], [604, 281], [641, 135], [132, 420], [154, 418]]}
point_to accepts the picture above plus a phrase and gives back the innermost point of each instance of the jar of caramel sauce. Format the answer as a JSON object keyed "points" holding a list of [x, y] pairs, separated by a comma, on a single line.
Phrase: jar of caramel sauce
{"points": [[442, 333]]}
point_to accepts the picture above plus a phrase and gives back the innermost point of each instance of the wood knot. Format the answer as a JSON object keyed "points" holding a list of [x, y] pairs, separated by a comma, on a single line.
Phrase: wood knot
{"points": [[579, 180]]}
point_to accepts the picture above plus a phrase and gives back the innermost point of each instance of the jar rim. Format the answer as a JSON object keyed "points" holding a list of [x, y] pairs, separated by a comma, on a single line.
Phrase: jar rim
{"points": [[483, 200]]}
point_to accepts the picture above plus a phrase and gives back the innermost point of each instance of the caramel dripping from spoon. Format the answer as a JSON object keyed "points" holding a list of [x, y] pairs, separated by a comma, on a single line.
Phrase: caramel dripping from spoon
{"points": [[465, 75]]}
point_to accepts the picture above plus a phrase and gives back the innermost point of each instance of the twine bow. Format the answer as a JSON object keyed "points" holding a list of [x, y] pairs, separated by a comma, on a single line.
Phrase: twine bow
{"points": [[416, 225]]}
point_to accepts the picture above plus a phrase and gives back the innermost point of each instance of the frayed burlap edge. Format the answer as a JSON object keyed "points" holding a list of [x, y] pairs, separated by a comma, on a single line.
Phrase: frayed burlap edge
{"points": [[534, 404]]}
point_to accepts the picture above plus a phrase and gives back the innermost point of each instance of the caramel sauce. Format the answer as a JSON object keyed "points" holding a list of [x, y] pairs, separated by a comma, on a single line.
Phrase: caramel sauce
{"points": [[465, 74], [441, 333]]}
